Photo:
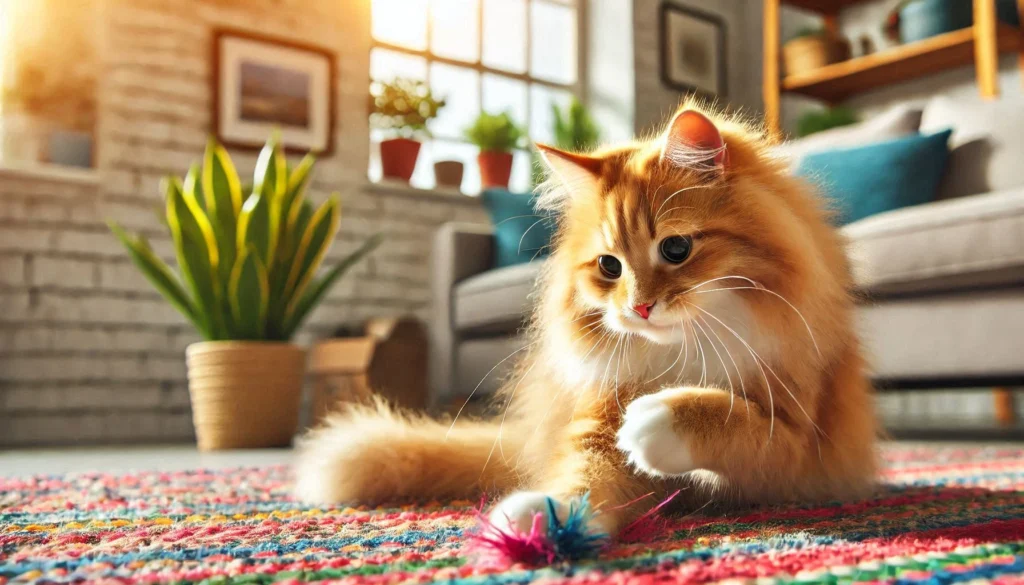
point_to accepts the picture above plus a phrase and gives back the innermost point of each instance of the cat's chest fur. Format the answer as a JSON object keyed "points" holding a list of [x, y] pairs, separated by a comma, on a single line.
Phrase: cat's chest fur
{"points": [[722, 348]]}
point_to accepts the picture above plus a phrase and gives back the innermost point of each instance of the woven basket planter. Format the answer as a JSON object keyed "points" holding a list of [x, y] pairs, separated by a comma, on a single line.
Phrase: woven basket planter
{"points": [[245, 394], [805, 54]]}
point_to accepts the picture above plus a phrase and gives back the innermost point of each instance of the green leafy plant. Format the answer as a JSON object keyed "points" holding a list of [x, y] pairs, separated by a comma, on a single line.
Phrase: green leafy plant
{"points": [[403, 106], [574, 129], [248, 266], [825, 119], [495, 132]]}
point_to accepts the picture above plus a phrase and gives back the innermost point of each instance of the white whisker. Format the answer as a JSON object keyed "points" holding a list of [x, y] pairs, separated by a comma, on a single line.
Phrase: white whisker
{"points": [[758, 286], [757, 361], [470, 397], [669, 198], [732, 389], [523, 237], [673, 364], [739, 374]]}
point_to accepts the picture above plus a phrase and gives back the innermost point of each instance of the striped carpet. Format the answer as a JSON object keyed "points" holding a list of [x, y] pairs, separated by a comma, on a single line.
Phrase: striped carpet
{"points": [[943, 516]]}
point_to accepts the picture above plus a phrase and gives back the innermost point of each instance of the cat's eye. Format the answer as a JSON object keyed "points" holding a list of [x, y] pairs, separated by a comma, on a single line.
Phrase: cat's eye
{"points": [[676, 249], [610, 266]]}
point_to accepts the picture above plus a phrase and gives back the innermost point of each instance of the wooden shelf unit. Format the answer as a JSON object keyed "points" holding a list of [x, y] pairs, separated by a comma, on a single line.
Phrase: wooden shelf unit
{"points": [[981, 44], [836, 82]]}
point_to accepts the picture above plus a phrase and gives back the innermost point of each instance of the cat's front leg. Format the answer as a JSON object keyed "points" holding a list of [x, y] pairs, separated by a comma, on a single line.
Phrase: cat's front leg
{"points": [[678, 430], [586, 462]]}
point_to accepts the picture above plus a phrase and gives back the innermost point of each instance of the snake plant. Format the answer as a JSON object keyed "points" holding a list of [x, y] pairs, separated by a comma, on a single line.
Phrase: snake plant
{"points": [[248, 262]]}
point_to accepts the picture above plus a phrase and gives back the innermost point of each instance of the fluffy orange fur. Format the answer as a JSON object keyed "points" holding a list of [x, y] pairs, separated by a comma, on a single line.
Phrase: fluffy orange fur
{"points": [[744, 384]]}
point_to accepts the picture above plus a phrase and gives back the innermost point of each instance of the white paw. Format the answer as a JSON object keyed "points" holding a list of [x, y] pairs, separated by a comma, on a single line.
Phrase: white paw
{"points": [[648, 437], [515, 513]]}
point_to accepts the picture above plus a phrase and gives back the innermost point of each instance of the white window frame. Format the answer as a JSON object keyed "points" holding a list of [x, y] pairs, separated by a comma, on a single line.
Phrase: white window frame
{"points": [[578, 88]]}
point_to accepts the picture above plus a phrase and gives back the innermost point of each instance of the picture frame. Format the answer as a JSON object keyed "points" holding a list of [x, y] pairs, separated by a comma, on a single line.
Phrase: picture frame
{"points": [[693, 50], [261, 84]]}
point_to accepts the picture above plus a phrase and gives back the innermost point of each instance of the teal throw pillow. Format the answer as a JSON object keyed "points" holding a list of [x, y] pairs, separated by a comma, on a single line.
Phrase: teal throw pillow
{"points": [[520, 232], [883, 176]]}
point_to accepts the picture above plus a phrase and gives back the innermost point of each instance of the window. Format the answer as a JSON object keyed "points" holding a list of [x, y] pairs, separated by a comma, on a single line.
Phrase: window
{"points": [[519, 56]]}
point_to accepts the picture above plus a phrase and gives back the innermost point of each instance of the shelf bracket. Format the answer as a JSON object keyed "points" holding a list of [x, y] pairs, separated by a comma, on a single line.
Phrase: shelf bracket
{"points": [[772, 77], [986, 48]]}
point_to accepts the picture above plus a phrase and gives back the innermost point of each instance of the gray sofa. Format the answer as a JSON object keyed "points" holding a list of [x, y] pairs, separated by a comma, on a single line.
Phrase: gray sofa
{"points": [[942, 283]]}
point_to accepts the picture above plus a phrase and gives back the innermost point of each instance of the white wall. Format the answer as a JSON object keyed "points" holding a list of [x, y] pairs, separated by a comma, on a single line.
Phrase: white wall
{"points": [[655, 101], [610, 67]]}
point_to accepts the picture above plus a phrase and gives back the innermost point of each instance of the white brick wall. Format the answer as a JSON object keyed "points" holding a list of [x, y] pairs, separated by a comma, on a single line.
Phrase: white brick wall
{"points": [[89, 353]]}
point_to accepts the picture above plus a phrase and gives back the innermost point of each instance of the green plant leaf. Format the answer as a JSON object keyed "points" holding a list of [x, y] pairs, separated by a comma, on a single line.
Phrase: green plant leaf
{"points": [[270, 181], [322, 285], [159, 275], [249, 294], [291, 203], [192, 184], [271, 174], [196, 248], [313, 245], [255, 227], [222, 192], [495, 132]]}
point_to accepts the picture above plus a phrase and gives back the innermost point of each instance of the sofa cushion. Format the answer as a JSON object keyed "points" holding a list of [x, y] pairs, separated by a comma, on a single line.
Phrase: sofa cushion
{"points": [[521, 233], [495, 301], [987, 144], [957, 244], [866, 180], [895, 122], [945, 336]]}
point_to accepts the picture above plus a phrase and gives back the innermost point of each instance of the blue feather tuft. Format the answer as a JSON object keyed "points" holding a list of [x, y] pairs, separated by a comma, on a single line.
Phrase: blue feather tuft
{"points": [[570, 537]]}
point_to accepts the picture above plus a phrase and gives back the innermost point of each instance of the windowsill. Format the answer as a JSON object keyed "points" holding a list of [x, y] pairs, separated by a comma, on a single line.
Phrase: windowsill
{"points": [[400, 189], [50, 172]]}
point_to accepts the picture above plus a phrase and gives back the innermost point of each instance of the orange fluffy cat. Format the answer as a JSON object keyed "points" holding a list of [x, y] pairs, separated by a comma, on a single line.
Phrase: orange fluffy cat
{"points": [[694, 332]]}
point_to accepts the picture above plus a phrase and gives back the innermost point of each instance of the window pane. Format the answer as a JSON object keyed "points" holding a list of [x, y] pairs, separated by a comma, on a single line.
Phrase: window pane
{"points": [[505, 35], [541, 118], [400, 22], [520, 181], [464, 153], [386, 65], [423, 176], [460, 88], [504, 94], [455, 31], [553, 42]]}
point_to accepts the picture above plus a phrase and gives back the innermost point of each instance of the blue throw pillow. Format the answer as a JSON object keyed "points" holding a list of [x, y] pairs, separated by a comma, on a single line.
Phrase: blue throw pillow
{"points": [[520, 232], [878, 177]]}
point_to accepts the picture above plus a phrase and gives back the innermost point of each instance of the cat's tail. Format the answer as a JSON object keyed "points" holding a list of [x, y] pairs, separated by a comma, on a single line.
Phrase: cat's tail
{"points": [[374, 453]]}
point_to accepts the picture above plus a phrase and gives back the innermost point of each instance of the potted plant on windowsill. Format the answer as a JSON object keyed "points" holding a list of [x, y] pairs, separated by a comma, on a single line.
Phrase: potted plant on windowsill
{"points": [[249, 265], [574, 130], [497, 136], [401, 108]]}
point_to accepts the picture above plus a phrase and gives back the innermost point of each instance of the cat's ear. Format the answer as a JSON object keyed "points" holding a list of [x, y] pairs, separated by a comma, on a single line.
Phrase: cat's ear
{"points": [[574, 172], [693, 141]]}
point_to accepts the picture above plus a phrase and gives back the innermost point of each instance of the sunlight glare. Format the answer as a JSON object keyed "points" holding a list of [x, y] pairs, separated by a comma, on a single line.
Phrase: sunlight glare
{"points": [[400, 22]]}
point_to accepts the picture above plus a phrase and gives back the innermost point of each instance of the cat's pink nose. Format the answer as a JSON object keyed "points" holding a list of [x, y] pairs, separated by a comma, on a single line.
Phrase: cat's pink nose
{"points": [[644, 310]]}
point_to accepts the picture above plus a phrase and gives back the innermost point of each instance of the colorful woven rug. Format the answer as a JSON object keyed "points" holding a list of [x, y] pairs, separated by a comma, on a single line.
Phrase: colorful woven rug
{"points": [[944, 516]]}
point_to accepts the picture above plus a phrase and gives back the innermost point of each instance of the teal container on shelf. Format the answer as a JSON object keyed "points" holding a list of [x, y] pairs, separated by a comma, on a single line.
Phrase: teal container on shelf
{"points": [[1006, 10], [922, 19]]}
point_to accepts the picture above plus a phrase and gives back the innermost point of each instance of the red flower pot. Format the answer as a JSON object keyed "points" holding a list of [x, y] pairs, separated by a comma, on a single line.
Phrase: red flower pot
{"points": [[495, 168], [398, 158]]}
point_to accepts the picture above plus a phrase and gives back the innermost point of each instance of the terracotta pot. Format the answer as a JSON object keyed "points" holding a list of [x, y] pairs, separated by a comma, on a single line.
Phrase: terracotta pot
{"points": [[495, 168], [398, 158], [245, 394], [448, 173]]}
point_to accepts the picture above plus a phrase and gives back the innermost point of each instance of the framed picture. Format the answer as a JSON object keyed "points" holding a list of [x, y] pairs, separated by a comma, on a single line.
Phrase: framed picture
{"points": [[261, 84], [692, 50]]}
